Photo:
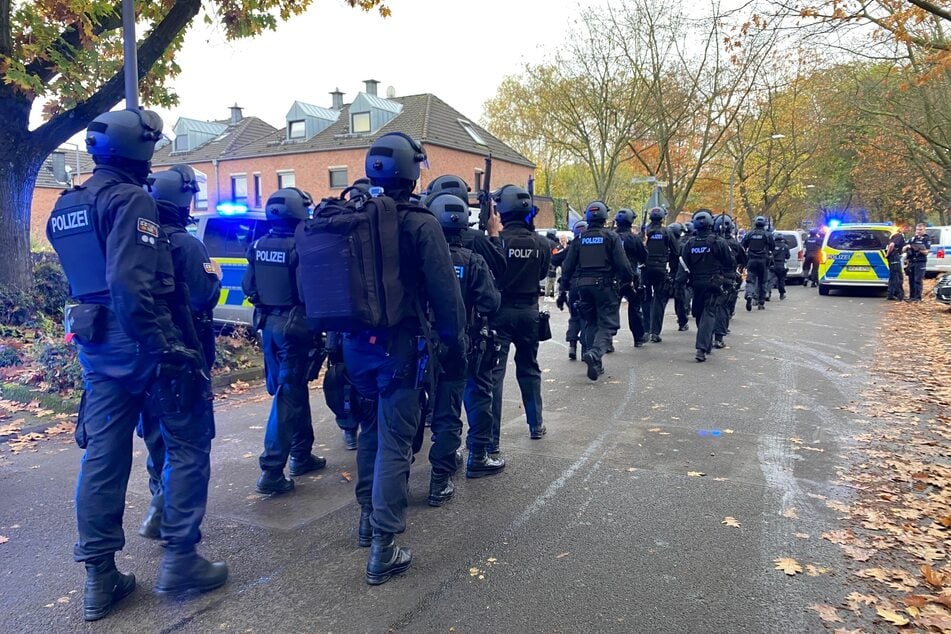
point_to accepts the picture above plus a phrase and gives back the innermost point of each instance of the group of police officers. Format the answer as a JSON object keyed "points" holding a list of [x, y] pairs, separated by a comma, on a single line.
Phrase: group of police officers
{"points": [[142, 291]]}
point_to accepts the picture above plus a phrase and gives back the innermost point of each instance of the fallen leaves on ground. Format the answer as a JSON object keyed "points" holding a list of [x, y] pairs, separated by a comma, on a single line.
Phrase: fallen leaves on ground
{"points": [[696, 474], [826, 612], [787, 565], [730, 521], [4, 539], [346, 476], [891, 616]]}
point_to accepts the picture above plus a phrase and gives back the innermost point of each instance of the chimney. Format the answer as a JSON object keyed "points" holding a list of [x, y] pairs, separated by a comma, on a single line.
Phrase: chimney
{"points": [[235, 114], [337, 97], [371, 85], [59, 167]]}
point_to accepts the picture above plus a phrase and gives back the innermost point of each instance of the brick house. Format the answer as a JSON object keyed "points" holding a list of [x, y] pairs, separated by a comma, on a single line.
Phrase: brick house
{"points": [[321, 150], [60, 170]]}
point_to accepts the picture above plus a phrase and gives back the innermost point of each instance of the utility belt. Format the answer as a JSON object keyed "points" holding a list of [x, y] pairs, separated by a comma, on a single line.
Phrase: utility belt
{"points": [[594, 281], [86, 323]]}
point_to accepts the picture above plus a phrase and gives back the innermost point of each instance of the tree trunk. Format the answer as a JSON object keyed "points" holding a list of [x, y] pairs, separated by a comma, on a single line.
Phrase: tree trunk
{"points": [[18, 170]]}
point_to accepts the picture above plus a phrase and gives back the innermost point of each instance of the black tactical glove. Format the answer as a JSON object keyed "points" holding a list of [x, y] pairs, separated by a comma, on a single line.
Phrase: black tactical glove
{"points": [[453, 360], [178, 358], [562, 300]]}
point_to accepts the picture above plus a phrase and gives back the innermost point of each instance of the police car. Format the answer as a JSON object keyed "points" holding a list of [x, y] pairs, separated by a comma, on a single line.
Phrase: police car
{"points": [[853, 255], [939, 259], [227, 235]]}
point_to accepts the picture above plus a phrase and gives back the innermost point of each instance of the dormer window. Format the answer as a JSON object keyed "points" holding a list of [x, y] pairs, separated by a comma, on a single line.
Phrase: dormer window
{"points": [[471, 131], [181, 143], [296, 129], [360, 122]]}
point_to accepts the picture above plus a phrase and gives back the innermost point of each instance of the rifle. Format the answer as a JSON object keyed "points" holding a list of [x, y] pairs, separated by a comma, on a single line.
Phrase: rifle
{"points": [[484, 184]]}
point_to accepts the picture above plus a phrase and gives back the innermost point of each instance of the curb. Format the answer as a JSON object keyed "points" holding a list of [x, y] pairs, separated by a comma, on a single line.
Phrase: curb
{"points": [[248, 374]]}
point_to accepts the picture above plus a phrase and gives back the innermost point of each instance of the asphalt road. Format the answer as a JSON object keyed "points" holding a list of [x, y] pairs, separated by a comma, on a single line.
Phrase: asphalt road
{"points": [[602, 526]]}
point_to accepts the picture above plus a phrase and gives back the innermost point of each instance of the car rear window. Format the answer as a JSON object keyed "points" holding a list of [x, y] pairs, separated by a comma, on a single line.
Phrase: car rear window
{"points": [[792, 239], [858, 240], [935, 235], [231, 237]]}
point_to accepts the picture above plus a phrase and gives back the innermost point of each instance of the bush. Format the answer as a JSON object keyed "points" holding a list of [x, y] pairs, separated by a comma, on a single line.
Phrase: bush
{"points": [[49, 285], [59, 366], [236, 351], [10, 356], [17, 308]]}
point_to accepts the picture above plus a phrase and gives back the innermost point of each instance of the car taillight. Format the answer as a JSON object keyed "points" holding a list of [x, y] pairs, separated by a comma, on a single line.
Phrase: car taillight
{"points": [[941, 254]]}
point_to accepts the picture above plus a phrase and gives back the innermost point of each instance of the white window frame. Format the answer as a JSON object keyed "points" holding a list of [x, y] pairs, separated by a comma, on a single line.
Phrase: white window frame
{"points": [[338, 168], [282, 174], [471, 131], [353, 119], [303, 130], [234, 193]]}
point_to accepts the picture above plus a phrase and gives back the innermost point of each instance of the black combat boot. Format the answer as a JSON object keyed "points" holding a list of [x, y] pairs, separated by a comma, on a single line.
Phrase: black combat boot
{"points": [[718, 343], [536, 433], [187, 572], [386, 559], [440, 489], [306, 465], [594, 366], [749, 303], [364, 528], [350, 439], [274, 483], [573, 351], [701, 356], [481, 464], [152, 524], [105, 586]]}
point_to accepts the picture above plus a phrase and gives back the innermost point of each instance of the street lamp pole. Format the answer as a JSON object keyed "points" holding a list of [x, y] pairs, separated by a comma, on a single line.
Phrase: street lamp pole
{"points": [[736, 162]]}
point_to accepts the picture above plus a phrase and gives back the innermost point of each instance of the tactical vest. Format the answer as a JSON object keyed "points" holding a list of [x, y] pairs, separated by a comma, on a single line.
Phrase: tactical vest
{"points": [[73, 231], [462, 263], [657, 251], [523, 268], [758, 246], [274, 273], [779, 256], [593, 256], [813, 245], [700, 258]]}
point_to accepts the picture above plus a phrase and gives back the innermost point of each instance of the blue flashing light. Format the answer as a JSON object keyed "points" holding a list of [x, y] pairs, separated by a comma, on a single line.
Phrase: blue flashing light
{"points": [[231, 209], [834, 223]]}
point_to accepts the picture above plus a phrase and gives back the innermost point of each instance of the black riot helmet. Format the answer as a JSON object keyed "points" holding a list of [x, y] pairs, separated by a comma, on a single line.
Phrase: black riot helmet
{"points": [[289, 203], [759, 222], [777, 236], [689, 227], [596, 211], [676, 229], [393, 161], [656, 214], [451, 211], [723, 225], [124, 134], [703, 221], [176, 185], [813, 232], [513, 203], [625, 218], [579, 227], [447, 183]]}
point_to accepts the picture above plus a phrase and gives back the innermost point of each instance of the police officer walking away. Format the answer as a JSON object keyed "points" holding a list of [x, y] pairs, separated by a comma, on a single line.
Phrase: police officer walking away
{"points": [[896, 278], [197, 276], [528, 256], [271, 284], [723, 227], [570, 298], [705, 262], [780, 255], [637, 256], [384, 363], [917, 248], [759, 246], [117, 261], [658, 284], [594, 268], [481, 300], [682, 292], [810, 266]]}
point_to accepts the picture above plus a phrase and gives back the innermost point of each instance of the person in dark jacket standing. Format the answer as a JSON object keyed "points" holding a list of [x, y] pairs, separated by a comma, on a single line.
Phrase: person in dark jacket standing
{"points": [[759, 245], [896, 277], [658, 283], [173, 191], [571, 298], [595, 267], [681, 292], [810, 265], [119, 267], [780, 255], [271, 284], [705, 263], [723, 227], [917, 249], [637, 256]]}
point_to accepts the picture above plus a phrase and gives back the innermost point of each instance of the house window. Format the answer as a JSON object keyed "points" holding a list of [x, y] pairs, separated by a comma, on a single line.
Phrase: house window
{"points": [[257, 191], [338, 177], [471, 131], [181, 143], [285, 179], [201, 196], [360, 122], [239, 188], [296, 130]]}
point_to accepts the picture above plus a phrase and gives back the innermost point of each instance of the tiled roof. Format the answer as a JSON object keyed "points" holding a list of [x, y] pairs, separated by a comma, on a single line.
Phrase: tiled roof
{"points": [[46, 179], [234, 136], [205, 127], [426, 118]]}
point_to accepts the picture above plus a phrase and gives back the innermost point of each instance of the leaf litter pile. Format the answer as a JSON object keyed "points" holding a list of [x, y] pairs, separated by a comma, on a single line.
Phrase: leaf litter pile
{"points": [[896, 533]]}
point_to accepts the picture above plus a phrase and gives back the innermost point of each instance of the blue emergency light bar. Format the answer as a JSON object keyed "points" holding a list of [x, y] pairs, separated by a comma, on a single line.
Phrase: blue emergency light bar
{"points": [[231, 209]]}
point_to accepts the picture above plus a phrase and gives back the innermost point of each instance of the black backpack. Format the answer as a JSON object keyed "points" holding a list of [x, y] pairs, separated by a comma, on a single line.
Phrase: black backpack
{"points": [[349, 256]]}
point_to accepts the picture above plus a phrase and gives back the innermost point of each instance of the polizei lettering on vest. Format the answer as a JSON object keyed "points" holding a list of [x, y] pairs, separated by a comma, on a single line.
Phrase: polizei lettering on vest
{"points": [[70, 220], [523, 253], [274, 257], [593, 240], [700, 249]]}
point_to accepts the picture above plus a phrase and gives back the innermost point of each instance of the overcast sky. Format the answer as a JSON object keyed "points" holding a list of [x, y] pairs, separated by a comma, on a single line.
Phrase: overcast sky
{"points": [[457, 49]]}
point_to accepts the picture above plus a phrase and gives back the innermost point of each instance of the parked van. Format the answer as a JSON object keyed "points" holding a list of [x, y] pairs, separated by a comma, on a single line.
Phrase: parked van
{"points": [[939, 260]]}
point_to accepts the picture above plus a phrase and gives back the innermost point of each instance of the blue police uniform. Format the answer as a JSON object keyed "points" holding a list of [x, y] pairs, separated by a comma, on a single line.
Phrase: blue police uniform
{"points": [[810, 264], [707, 262], [637, 256], [727, 306], [896, 277], [658, 287], [918, 249], [119, 268], [759, 246]]}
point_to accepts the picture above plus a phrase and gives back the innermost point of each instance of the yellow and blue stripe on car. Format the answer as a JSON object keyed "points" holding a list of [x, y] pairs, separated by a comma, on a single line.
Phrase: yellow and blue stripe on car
{"points": [[232, 272]]}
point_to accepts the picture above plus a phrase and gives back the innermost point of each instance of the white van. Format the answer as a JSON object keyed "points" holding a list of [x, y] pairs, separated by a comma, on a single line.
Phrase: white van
{"points": [[939, 259], [797, 254]]}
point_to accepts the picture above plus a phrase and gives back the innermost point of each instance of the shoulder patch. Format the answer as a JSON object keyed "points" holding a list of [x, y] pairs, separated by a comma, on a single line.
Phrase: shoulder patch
{"points": [[212, 268], [148, 232]]}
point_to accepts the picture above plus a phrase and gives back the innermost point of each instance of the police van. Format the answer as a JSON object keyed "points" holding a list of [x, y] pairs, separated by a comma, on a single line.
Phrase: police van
{"points": [[227, 235], [939, 259], [853, 255]]}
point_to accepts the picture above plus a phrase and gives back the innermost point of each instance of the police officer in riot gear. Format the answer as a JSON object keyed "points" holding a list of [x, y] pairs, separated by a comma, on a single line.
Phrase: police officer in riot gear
{"points": [[119, 268], [481, 300], [681, 292], [385, 363], [896, 277], [489, 247], [271, 284], [198, 278], [810, 265], [723, 227], [517, 322], [594, 267], [759, 246], [570, 298], [637, 256], [917, 250], [705, 263], [780, 255], [658, 283]]}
